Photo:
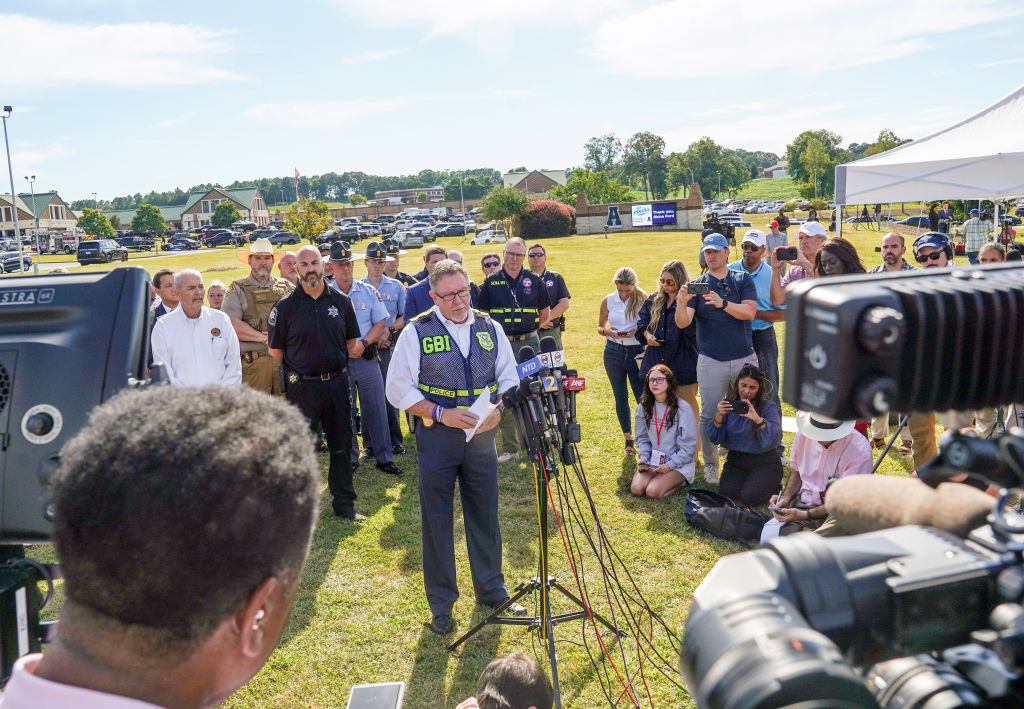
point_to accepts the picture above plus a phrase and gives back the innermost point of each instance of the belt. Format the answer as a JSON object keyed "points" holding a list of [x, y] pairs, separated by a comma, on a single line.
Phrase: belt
{"points": [[524, 336], [326, 377], [251, 357]]}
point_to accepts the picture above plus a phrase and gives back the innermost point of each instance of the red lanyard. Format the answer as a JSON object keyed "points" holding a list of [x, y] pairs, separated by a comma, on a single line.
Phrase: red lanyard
{"points": [[658, 427]]}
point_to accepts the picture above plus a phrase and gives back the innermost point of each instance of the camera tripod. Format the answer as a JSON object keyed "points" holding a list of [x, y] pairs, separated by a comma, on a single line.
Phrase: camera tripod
{"points": [[544, 621]]}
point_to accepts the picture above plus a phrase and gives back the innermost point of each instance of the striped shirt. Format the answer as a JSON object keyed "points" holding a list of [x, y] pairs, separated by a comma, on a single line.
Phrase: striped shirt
{"points": [[976, 232]]}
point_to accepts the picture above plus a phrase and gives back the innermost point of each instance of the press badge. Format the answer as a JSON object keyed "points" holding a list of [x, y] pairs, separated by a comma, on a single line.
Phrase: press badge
{"points": [[657, 457]]}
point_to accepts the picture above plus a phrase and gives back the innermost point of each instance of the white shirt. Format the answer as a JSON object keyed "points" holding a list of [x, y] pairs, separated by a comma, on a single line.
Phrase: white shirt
{"points": [[199, 351], [618, 321], [404, 371], [26, 691]]}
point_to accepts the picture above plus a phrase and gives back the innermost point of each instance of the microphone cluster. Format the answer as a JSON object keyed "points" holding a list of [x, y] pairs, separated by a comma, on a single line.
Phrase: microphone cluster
{"points": [[545, 402]]}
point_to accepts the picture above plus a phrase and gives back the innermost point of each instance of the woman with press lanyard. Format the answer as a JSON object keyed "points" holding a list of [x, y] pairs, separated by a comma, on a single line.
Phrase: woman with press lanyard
{"points": [[617, 324], [667, 344]]}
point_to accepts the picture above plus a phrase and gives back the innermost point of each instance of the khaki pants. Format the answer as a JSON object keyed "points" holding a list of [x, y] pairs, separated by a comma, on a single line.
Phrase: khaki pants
{"points": [[262, 374]]}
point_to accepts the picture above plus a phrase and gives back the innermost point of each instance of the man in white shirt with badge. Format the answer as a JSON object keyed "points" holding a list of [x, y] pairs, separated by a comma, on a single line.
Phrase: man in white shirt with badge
{"points": [[197, 344]]}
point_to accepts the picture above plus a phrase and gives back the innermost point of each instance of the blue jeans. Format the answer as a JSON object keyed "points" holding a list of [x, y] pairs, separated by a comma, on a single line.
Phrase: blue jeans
{"points": [[972, 257], [620, 364]]}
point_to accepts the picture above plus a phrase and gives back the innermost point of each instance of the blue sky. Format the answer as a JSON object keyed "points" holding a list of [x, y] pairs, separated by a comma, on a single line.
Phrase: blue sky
{"points": [[125, 96]]}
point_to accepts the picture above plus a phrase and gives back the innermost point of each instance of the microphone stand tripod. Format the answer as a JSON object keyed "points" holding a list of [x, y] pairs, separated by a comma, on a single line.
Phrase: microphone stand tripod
{"points": [[536, 438]]}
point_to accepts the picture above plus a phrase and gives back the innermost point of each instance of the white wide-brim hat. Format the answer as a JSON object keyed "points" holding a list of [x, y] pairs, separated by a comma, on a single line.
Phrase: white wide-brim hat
{"points": [[822, 428]]}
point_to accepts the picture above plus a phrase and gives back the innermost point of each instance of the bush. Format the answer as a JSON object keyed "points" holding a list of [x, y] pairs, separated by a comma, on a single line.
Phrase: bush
{"points": [[819, 204], [791, 205], [546, 218]]}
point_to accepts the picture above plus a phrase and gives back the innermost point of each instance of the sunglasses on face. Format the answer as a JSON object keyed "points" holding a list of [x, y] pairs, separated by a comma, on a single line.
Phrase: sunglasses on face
{"points": [[934, 256], [492, 264], [536, 254], [667, 281], [749, 247]]}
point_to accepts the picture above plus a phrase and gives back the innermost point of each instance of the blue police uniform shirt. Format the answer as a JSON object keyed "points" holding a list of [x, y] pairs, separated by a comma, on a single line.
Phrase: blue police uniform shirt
{"points": [[392, 293], [762, 276], [368, 304]]}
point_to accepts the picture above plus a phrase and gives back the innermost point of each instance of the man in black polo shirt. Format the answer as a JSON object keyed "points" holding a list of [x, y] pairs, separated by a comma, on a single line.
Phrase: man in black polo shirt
{"points": [[517, 299], [312, 333], [558, 294]]}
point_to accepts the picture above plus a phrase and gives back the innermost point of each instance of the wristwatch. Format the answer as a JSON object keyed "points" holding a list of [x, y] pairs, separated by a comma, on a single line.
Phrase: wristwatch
{"points": [[362, 341]]}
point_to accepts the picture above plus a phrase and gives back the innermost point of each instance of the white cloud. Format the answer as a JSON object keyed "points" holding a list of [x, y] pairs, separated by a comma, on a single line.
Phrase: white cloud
{"points": [[26, 157], [323, 113], [479, 21], [678, 37], [373, 56], [132, 54], [1001, 62]]}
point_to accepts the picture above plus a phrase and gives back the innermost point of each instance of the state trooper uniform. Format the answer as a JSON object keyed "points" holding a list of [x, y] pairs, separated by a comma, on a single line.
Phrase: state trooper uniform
{"points": [[451, 364], [515, 303], [312, 335], [392, 293], [366, 379], [251, 301], [393, 249]]}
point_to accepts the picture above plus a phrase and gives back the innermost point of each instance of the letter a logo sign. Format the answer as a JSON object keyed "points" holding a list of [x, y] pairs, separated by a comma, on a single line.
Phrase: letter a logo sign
{"points": [[613, 217]]}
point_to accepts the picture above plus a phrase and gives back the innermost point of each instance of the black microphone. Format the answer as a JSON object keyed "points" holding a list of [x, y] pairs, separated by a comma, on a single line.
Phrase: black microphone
{"points": [[567, 428], [525, 354], [978, 457], [868, 503]]}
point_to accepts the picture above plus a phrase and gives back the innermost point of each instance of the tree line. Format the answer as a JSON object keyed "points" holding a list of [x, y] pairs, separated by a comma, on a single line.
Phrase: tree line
{"points": [[329, 187]]}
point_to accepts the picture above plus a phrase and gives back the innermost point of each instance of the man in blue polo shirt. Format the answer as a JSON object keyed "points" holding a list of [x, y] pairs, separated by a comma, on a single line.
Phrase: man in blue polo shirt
{"points": [[723, 318], [762, 331]]}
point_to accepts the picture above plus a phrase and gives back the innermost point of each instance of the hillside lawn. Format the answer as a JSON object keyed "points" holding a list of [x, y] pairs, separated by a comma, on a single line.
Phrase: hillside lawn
{"points": [[361, 612]]}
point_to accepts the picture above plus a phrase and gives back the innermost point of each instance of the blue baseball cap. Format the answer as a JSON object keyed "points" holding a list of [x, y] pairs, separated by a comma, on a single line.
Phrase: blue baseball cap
{"points": [[974, 211], [931, 238], [715, 242]]}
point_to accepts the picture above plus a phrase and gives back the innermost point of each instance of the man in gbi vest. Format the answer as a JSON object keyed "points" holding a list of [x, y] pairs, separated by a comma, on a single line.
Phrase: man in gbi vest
{"points": [[443, 360], [248, 303]]}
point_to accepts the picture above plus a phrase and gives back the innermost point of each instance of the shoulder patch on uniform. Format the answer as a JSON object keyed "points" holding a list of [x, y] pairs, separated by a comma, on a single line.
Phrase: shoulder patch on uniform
{"points": [[272, 318], [485, 341]]}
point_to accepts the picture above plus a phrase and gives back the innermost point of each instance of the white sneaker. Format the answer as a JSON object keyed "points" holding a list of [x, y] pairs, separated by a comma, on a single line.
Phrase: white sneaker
{"points": [[506, 457], [711, 476]]}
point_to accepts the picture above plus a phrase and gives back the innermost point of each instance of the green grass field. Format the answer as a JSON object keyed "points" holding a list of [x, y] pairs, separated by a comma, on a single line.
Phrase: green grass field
{"points": [[361, 610]]}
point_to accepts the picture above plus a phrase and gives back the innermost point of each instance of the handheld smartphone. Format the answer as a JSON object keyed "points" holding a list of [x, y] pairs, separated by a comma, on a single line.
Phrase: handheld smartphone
{"points": [[739, 406], [697, 288], [786, 253]]}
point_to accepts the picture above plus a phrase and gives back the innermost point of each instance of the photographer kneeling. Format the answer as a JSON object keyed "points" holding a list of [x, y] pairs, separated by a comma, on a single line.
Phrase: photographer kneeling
{"points": [[665, 437], [749, 424]]}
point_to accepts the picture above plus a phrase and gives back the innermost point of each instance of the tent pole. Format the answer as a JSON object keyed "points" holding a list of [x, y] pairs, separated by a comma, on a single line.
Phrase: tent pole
{"points": [[839, 220]]}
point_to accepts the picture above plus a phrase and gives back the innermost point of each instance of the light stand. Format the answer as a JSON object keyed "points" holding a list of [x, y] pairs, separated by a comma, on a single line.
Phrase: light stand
{"points": [[10, 173]]}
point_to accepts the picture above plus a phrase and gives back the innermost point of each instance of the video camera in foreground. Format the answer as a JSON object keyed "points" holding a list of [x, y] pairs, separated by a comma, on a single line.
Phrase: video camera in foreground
{"points": [[906, 617], [67, 343]]}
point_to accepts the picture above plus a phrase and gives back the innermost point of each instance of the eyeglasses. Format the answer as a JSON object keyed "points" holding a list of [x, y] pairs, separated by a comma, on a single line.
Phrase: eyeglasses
{"points": [[933, 256], [491, 264], [747, 246], [513, 254], [450, 297], [667, 281], [656, 380], [536, 254]]}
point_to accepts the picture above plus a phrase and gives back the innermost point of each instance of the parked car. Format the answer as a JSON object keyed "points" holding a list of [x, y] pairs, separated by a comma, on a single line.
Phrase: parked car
{"points": [[409, 239], [284, 237], [349, 233], [263, 233], [13, 262], [450, 230], [101, 251], [222, 238], [180, 243], [136, 243], [918, 221], [735, 219], [488, 236]]}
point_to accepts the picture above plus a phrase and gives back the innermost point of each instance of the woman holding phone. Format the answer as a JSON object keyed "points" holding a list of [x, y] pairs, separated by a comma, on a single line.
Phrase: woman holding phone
{"points": [[667, 343], [665, 435], [616, 322], [749, 424]]}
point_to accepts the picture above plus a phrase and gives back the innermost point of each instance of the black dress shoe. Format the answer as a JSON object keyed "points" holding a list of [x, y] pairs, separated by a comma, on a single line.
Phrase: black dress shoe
{"points": [[398, 449], [390, 468], [442, 624], [511, 609]]}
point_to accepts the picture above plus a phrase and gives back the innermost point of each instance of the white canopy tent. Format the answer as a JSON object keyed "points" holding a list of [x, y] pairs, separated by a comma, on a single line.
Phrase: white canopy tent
{"points": [[981, 157]]}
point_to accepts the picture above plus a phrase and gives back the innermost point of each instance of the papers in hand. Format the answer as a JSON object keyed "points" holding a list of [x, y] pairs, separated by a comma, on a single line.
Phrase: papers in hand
{"points": [[482, 407]]}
